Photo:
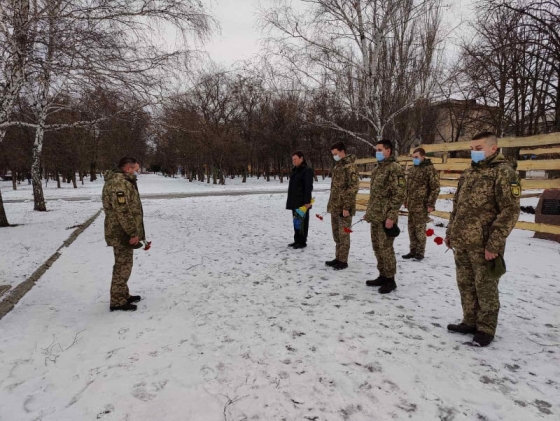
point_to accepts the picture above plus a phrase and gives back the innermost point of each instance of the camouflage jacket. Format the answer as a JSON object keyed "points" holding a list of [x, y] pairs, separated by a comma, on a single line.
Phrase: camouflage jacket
{"points": [[422, 186], [485, 206], [123, 209], [387, 191], [344, 186]]}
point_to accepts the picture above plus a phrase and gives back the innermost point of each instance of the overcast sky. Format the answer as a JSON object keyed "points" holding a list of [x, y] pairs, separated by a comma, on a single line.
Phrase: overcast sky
{"points": [[240, 34]]}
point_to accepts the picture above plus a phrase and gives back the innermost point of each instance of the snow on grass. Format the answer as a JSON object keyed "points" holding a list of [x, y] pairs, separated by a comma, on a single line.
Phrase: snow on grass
{"points": [[25, 247], [236, 326]]}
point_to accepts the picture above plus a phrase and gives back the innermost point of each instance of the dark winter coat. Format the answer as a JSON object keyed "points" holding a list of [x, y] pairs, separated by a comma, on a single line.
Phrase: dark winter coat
{"points": [[301, 186]]}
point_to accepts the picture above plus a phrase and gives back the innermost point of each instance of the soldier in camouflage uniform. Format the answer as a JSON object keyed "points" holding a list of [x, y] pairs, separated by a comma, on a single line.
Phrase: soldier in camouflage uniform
{"points": [[422, 190], [387, 194], [124, 228], [485, 210], [342, 202]]}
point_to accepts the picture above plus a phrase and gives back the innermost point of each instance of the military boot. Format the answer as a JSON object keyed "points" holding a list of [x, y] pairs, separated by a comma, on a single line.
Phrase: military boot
{"points": [[124, 307], [418, 257], [133, 299], [409, 255], [331, 263], [482, 339], [381, 280], [340, 265], [388, 286], [461, 328]]}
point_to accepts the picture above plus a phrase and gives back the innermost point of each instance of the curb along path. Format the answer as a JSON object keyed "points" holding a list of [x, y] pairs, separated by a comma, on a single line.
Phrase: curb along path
{"points": [[23, 288]]}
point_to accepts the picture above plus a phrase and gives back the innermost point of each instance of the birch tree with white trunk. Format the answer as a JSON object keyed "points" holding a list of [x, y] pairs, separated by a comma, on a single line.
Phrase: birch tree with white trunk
{"points": [[116, 44]]}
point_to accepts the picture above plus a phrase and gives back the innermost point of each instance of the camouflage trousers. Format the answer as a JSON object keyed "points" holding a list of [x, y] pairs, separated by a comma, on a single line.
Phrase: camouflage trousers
{"points": [[341, 238], [479, 294], [383, 250], [124, 259], [417, 219]]}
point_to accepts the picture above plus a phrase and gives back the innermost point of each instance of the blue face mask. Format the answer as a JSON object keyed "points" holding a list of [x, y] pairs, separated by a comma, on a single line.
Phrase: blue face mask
{"points": [[379, 156], [336, 158], [477, 156], [416, 161]]}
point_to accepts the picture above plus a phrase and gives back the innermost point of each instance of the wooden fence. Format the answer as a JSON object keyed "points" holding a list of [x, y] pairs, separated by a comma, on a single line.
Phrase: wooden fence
{"points": [[450, 170]]}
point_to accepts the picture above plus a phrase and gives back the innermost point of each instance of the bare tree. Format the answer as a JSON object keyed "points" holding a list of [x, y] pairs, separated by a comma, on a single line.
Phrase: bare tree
{"points": [[99, 43], [379, 57]]}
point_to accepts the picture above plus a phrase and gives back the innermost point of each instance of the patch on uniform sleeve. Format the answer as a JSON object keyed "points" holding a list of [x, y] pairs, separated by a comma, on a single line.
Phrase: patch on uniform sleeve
{"points": [[515, 189], [354, 176], [401, 181], [121, 198]]}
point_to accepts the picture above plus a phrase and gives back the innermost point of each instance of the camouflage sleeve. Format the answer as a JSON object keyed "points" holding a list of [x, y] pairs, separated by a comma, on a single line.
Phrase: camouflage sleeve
{"points": [[352, 185], [507, 191], [368, 215], [122, 199], [397, 192], [433, 184], [454, 211]]}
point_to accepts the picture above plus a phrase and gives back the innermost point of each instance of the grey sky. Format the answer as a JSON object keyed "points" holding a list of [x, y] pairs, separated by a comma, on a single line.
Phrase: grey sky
{"points": [[239, 39]]}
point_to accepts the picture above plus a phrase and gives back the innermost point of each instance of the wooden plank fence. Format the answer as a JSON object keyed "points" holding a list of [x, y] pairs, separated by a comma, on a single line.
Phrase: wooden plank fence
{"points": [[450, 170]]}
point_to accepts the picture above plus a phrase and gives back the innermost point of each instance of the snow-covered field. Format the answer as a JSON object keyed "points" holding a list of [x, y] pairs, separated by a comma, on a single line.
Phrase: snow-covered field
{"points": [[236, 326], [149, 184], [37, 236]]}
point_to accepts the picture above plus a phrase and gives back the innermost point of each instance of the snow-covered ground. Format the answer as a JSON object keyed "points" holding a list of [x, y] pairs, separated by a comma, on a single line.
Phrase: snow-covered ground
{"points": [[236, 326], [149, 184], [36, 236]]}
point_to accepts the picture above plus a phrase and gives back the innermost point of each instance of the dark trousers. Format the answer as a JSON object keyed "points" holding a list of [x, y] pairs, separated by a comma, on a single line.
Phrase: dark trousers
{"points": [[300, 235]]}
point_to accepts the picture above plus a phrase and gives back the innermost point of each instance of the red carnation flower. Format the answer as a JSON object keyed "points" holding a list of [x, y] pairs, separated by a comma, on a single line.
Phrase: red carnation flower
{"points": [[319, 216], [438, 241], [429, 232], [348, 230], [148, 245]]}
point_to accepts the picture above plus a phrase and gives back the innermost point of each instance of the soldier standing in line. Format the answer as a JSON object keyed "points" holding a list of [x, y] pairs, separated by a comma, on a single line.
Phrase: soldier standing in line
{"points": [[485, 210], [387, 193], [422, 190], [342, 202], [124, 228]]}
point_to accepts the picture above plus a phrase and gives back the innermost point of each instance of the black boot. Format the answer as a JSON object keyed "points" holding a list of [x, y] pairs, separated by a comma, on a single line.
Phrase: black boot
{"points": [[124, 307], [133, 299], [482, 339], [292, 244], [331, 263], [418, 257], [300, 246], [381, 280], [388, 286], [340, 266], [462, 328], [409, 255]]}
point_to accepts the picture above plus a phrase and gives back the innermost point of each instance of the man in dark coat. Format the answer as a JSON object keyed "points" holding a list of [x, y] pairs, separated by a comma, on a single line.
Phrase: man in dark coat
{"points": [[299, 194]]}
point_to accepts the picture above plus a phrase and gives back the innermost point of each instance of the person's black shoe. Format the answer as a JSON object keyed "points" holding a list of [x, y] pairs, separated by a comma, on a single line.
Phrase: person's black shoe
{"points": [[331, 263], [124, 307], [461, 328], [482, 339], [300, 246], [133, 299], [381, 280], [340, 266], [418, 257], [408, 256], [388, 286], [292, 244]]}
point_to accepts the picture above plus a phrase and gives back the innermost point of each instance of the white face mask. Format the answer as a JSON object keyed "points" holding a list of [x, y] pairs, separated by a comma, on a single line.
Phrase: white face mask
{"points": [[336, 158]]}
